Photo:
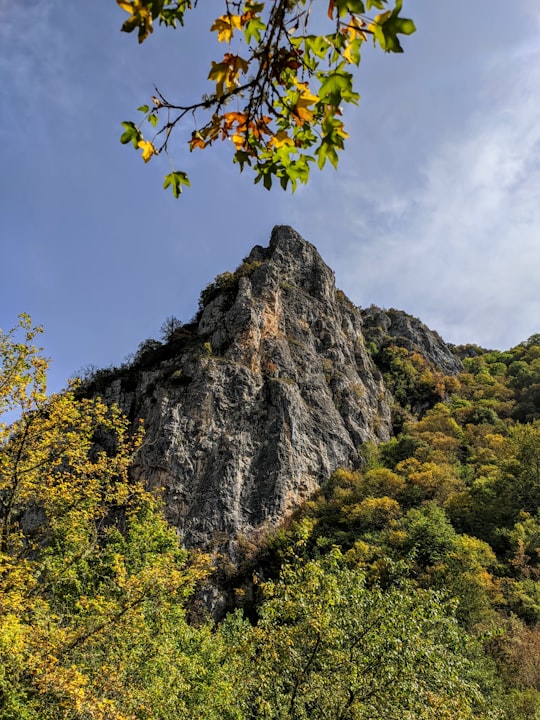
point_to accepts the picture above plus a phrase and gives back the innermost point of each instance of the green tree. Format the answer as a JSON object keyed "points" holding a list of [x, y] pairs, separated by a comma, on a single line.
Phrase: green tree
{"points": [[327, 646], [288, 77]]}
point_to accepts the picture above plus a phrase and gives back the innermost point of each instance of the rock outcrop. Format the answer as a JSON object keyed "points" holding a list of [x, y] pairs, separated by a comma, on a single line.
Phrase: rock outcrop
{"points": [[248, 409], [383, 327], [266, 395]]}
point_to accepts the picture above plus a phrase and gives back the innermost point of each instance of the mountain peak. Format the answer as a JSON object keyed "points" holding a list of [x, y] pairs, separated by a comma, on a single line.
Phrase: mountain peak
{"points": [[296, 261], [255, 404], [272, 391], [284, 241]]}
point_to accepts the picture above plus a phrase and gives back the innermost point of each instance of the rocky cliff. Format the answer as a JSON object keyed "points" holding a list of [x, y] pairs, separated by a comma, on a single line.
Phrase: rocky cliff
{"points": [[251, 407], [385, 327]]}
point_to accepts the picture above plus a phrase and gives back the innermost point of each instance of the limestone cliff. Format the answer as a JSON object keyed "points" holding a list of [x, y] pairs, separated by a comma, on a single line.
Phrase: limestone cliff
{"points": [[251, 407]]}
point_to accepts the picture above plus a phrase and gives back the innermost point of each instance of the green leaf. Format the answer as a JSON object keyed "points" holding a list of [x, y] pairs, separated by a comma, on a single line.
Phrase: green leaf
{"points": [[354, 7], [388, 26], [298, 171], [253, 29], [153, 120], [335, 87], [317, 44], [143, 108], [157, 8], [175, 180], [131, 134], [241, 157], [326, 151]]}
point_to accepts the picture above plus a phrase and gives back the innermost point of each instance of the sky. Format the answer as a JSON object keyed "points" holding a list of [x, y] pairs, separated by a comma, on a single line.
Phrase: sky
{"points": [[434, 209]]}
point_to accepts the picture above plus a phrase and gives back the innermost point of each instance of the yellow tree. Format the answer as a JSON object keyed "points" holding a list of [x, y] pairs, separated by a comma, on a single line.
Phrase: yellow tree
{"points": [[278, 91], [93, 581]]}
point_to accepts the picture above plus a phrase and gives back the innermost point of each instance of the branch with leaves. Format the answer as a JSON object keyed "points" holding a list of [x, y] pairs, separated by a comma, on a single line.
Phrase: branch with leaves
{"points": [[278, 95]]}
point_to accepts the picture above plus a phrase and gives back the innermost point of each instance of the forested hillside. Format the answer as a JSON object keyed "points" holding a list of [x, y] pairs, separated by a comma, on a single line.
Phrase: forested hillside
{"points": [[449, 507], [406, 588]]}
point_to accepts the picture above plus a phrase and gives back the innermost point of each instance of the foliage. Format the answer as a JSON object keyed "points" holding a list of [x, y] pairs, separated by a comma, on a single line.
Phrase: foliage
{"points": [[94, 583], [409, 588], [22, 367], [277, 93], [413, 382], [327, 646], [226, 283], [452, 503], [170, 328]]}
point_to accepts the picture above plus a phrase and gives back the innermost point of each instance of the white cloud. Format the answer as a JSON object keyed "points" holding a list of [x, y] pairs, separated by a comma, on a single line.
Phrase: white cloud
{"points": [[460, 247]]}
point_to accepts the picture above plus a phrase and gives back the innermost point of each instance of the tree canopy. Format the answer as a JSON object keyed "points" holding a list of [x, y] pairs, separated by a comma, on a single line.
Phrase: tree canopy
{"points": [[93, 581], [277, 92]]}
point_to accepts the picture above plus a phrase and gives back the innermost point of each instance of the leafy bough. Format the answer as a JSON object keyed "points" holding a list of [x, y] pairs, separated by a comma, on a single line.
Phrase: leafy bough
{"points": [[287, 85]]}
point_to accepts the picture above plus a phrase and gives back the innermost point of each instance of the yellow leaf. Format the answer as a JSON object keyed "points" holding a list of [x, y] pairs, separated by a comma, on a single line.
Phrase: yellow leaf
{"points": [[280, 139], [378, 21], [356, 28], [225, 26], [219, 73], [305, 99], [347, 53], [306, 96], [147, 149], [127, 6], [238, 141], [226, 73]]}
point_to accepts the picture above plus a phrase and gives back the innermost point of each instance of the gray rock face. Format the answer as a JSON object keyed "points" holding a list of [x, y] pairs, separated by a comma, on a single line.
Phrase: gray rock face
{"points": [[271, 393], [395, 326], [248, 409]]}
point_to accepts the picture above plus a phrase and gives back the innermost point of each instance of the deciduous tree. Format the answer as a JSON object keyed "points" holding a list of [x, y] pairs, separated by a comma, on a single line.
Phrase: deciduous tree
{"points": [[277, 92], [329, 647], [93, 581]]}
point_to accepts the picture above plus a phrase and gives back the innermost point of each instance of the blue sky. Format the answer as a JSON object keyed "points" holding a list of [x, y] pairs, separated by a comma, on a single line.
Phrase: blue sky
{"points": [[434, 209]]}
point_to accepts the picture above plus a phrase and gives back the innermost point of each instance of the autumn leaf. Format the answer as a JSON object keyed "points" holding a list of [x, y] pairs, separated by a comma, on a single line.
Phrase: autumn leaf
{"points": [[147, 149], [127, 6], [225, 26], [219, 73], [225, 73], [231, 118], [238, 141], [280, 139], [197, 141], [141, 17], [331, 6], [236, 63], [301, 109]]}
